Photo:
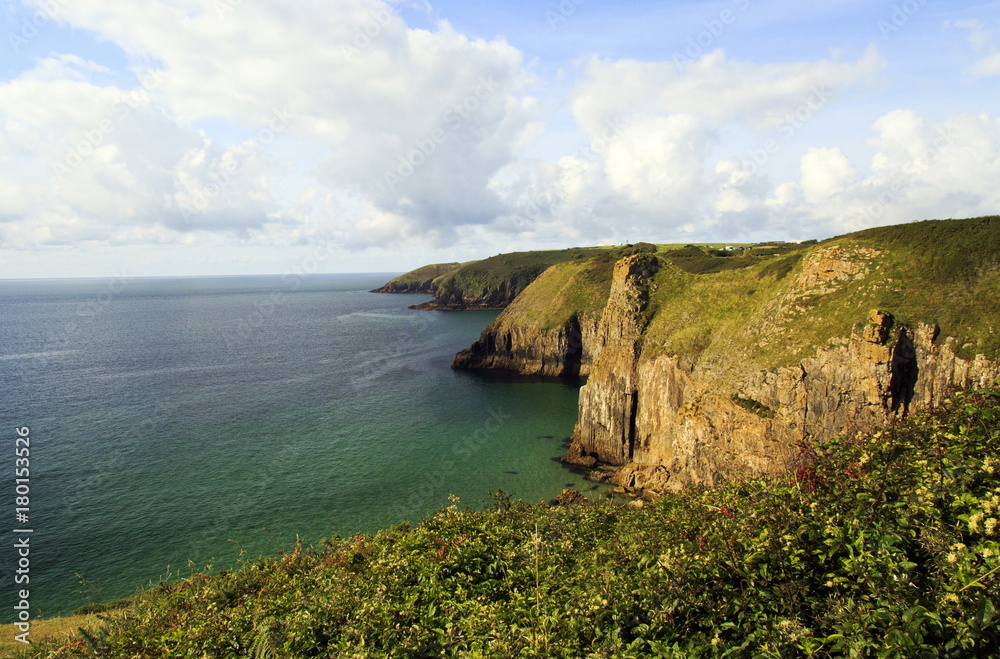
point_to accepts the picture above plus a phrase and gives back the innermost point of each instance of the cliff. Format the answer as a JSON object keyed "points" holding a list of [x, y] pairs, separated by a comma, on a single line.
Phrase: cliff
{"points": [[422, 280], [495, 282], [550, 328], [703, 370]]}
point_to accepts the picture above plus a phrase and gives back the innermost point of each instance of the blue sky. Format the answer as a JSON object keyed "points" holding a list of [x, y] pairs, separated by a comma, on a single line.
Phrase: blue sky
{"points": [[189, 137]]}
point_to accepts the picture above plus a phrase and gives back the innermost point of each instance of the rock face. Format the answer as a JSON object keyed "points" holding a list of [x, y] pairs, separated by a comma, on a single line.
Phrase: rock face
{"points": [[506, 345], [608, 403], [453, 299], [428, 287], [670, 425], [569, 497]]}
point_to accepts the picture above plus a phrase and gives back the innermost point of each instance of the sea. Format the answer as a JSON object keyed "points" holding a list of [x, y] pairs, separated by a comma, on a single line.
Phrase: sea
{"points": [[179, 425]]}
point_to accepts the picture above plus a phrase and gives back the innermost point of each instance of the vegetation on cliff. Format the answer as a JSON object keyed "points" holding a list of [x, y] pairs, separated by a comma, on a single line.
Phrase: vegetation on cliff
{"points": [[422, 280], [883, 544], [495, 282]]}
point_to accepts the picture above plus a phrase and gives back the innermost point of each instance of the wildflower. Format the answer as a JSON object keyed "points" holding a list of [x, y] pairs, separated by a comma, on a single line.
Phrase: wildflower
{"points": [[716, 640], [952, 557], [829, 584], [951, 598], [958, 546], [991, 524], [987, 552], [974, 522]]}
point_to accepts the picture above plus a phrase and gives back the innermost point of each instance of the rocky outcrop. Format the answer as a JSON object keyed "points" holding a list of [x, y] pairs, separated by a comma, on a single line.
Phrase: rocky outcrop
{"points": [[422, 280], [670, 424], [608, 403], [452, 298], [508, 345], [570, 497]]}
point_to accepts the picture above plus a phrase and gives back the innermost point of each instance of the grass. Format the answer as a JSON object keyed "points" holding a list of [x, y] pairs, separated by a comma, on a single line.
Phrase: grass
{"points": [[502, 277], [875, 545], [54, 632], [424, 278], [943, 272]]}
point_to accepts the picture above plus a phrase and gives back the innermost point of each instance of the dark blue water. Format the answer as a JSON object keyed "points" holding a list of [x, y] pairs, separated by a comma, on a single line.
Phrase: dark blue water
{"points": [[182, 421]]}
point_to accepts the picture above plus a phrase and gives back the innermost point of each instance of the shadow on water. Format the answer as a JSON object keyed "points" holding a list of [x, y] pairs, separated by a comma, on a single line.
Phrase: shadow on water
{"points": [[509, 377]]}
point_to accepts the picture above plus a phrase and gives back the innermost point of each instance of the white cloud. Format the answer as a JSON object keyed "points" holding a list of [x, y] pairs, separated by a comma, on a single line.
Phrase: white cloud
{"points": [[759, 96], [349, 76], [653, 129], [985, 68], [920, 171], [979, 34], [826, 173]]}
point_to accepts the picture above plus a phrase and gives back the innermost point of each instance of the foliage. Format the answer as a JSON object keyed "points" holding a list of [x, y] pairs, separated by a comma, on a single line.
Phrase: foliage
{"points": [[780, 268], [879, 545], [755, 407], [101, 607]]}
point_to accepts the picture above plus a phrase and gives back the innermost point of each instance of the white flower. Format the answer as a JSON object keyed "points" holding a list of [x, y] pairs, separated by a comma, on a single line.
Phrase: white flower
{"points": [[991, 524]]}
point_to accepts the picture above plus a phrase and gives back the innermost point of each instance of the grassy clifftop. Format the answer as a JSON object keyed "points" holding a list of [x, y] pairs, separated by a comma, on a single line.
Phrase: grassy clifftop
{"points": [[422, 280], [494, 282], [878, 545], [778, 309]]}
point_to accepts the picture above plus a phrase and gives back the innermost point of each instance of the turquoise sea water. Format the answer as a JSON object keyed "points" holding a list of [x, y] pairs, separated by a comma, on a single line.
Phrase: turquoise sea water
{"points": [[177, 420]]}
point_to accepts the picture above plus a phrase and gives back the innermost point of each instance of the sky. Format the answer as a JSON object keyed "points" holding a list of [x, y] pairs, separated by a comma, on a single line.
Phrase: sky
{"points": [[227, 137]]}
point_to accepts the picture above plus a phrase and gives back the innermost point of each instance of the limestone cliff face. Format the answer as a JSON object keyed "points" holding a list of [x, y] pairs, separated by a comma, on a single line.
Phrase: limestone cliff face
{"points": [[508, 345], [671, 425], [450, 298], [608, 403]]}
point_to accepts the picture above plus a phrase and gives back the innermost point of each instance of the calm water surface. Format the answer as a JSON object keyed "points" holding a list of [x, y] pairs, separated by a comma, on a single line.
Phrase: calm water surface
{"points": [[176, 420]]}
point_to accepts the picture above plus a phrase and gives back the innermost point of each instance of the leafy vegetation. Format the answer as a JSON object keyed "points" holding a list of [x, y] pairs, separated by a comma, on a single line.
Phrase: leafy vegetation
{"points": [[755, 407], [880, 545]]}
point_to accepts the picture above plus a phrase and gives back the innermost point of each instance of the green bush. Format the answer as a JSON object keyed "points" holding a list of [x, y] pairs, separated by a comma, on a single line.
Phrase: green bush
{"points": [[876, 545]]}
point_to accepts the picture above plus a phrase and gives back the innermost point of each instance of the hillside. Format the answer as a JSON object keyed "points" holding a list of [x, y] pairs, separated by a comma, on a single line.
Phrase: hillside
{"points": [[491, 283], [879, 545], [704, 367], [422, 280]]}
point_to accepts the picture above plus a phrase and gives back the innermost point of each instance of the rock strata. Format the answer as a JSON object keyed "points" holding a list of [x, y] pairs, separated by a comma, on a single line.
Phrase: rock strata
{"points": [[669, 425], [506, 345]]}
